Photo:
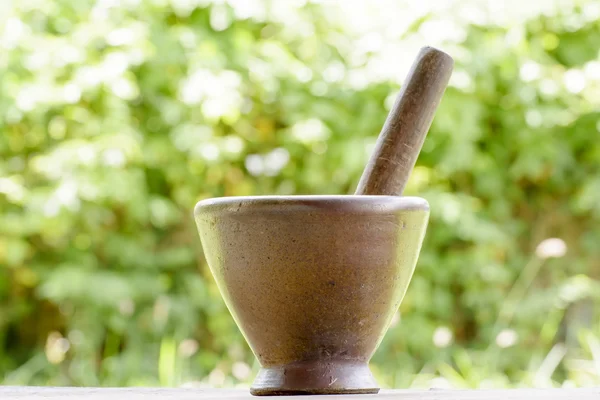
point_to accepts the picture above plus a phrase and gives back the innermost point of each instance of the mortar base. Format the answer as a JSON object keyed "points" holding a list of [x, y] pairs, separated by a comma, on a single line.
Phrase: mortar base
{"points": [[315, 377]]}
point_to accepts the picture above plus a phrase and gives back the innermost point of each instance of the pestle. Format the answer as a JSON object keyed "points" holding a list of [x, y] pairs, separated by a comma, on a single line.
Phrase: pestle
{"points": [[406, 126]]}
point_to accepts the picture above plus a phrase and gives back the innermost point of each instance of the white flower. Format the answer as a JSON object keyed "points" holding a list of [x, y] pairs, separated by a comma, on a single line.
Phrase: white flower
{"points": [[507, 338], [551, 248], [442, 337]]}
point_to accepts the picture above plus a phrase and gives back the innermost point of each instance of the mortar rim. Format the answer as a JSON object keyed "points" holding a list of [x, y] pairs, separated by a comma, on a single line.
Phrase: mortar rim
{"points": [[342, 202]]}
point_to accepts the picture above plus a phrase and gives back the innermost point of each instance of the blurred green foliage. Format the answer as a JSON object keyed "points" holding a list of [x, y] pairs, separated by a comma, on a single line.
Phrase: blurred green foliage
{"points": [[118, 116]]}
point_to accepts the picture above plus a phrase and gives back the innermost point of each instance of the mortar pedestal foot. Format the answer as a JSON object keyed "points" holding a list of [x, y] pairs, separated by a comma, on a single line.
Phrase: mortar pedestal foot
{"points": [[315, 377]]}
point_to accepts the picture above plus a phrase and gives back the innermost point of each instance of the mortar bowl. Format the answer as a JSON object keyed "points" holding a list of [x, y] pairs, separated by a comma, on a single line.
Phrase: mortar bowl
{"points": [[312, 281]]}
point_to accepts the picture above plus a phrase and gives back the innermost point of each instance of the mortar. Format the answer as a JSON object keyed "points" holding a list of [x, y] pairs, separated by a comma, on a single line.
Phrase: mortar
{"points": [[313, 281]]}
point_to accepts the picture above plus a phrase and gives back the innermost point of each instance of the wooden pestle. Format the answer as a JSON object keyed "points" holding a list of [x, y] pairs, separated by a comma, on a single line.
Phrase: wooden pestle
{"points": [[406, 126]]}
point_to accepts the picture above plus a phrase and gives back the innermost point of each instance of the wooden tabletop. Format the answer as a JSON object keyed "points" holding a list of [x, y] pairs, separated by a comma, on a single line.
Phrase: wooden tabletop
{"points": [[39, 393]]}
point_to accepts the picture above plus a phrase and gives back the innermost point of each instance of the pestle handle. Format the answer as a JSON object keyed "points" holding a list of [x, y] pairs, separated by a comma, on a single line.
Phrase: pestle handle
{"points": [[406, 126]]}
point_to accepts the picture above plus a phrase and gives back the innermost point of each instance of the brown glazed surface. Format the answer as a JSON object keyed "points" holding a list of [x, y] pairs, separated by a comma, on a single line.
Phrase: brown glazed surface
{"points": [[312, 281]]}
